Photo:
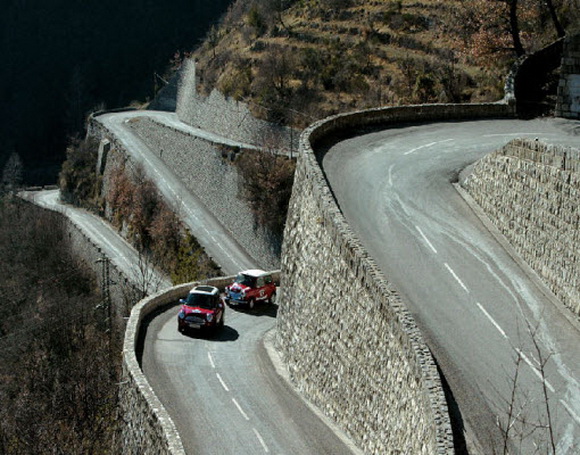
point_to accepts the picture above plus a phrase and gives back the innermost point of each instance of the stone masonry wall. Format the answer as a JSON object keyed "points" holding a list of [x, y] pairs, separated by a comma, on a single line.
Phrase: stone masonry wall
{"points": [[226, 116], [214, 179], [531, 192], [568, 97], [348, 348], [350, 345], [211, 177]]}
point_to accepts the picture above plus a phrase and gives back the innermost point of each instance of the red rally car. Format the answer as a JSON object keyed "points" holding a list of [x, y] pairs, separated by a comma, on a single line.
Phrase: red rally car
{"points": [[203, 309], [251, 287]]}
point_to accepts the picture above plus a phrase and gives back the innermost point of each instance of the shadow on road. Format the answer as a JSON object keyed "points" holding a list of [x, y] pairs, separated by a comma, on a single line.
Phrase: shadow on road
{"points": [[260, 310], [226, 333]]}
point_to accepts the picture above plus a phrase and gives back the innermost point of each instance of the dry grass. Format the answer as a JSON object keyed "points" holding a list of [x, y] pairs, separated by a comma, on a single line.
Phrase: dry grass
{"points": [[362, 54]]}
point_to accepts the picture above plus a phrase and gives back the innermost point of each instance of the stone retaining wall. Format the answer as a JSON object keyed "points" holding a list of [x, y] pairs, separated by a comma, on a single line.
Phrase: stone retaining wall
{"points": [[350, 345], [208, 172], [531, 192], [226, 116]]}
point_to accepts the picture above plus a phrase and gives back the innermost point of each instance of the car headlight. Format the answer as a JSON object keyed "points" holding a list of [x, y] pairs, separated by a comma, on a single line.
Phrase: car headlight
{"points": [[209, 317], [181, 315]]}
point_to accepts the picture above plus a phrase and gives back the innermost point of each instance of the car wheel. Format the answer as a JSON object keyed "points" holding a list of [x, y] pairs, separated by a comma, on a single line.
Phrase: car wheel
{"points": [[272, 299], [251, 304]]}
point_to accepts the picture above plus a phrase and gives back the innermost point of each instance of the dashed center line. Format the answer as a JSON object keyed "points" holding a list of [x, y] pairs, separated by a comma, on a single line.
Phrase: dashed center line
{"points": [[211, 362], [448, 267], [496, 325], [532, 366], [240, 409], [535, 370], [426, 239], [431, 144], [264, 446], [222, 382]]}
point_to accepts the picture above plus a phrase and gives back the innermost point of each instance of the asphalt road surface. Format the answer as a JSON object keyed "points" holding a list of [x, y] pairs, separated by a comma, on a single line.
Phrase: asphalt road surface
{"points": [[472, 300], [224, 392]]}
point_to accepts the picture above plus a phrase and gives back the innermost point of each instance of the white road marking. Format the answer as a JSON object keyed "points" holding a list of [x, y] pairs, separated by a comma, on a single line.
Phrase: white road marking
{"points": [[570, 411], [426, 239], [261, 440], [222, 382], [492, 320], [210, 360], [431, 144], [524, 357], [240, 409], [534, 369], [391, 174], [456, 277]]}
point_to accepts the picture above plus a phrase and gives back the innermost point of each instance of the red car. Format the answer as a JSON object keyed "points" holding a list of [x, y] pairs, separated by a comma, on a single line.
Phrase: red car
{"points": [[251, 287], [203, 309]]}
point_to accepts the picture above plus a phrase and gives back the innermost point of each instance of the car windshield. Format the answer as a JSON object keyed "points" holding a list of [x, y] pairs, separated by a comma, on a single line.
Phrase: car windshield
{"points": [[200, 300], [246, 280]]}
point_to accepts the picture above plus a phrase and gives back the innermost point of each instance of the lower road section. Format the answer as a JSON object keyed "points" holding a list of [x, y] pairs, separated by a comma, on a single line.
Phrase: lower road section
{"points": [[225, 394]]}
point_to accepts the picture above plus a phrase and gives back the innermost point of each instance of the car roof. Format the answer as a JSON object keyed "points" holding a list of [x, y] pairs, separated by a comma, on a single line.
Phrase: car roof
{"points": [[204, 289], [254, 272]]}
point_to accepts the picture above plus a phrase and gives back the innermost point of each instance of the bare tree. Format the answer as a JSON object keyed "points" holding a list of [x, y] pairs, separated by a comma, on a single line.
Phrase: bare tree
{"points": [[147, 279], [12, 173], [554, 15], [514, 27], [520, 425], [542, 361]]}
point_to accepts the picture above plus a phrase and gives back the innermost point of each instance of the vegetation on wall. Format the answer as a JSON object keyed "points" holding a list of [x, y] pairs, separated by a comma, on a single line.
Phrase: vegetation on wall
{"points": [[59, 368], [78, 177], [267, 186], [139, 211], [136, 208]]}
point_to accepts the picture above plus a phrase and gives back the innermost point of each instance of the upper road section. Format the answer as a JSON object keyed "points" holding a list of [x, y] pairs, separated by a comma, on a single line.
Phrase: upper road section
{"points": [[472, 300], [218, 243]]}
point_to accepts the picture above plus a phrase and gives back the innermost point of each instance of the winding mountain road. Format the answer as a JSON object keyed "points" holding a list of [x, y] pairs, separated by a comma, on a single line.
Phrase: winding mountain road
{"points": [[472, 300], [225, 394]]}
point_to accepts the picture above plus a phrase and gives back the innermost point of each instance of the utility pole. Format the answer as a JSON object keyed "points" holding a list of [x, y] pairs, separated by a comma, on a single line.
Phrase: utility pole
{"points": [[106, 291]]}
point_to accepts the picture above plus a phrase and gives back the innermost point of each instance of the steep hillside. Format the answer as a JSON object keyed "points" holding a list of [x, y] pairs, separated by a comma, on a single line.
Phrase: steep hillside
{"points": [[325, 56]]}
